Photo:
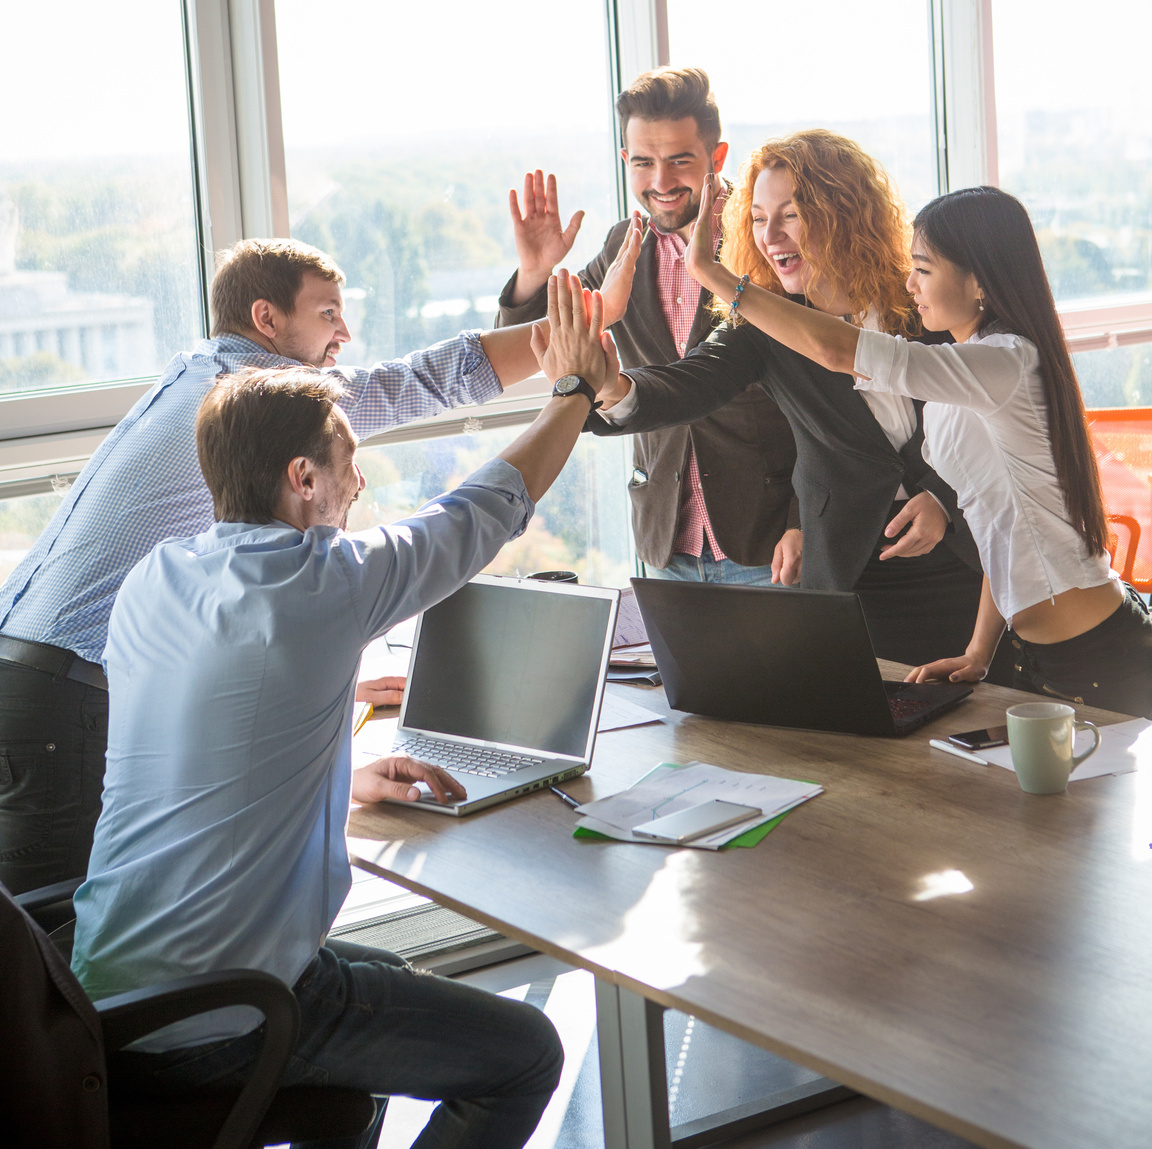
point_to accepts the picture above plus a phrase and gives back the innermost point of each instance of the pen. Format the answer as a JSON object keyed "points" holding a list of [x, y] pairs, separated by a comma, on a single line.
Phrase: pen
{"points": [[567, 799], [948, 748]]}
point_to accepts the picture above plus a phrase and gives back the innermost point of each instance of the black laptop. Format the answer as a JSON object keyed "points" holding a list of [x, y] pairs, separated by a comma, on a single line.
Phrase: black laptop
{"points": [[779, 657]]}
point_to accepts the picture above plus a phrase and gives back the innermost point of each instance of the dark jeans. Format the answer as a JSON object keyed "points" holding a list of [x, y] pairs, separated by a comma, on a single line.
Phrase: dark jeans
{"points": [[1108, 666], [924, 608], [53, 736], [371, 1022]]}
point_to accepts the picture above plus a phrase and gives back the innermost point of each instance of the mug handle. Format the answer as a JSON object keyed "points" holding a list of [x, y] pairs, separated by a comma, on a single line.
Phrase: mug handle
{"points": [[1079, 725]]}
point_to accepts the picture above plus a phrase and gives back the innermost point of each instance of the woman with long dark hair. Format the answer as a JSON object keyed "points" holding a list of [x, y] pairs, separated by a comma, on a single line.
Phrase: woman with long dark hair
{"points": [[1005, 426]]}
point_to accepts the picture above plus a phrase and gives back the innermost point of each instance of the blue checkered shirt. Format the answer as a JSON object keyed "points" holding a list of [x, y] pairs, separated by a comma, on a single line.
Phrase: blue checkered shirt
{"points": [[144, 483]]}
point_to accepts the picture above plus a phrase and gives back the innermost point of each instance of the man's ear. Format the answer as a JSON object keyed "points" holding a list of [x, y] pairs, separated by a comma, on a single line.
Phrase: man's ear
{"points": [[264, 317], [301, 477], [719, 155]]}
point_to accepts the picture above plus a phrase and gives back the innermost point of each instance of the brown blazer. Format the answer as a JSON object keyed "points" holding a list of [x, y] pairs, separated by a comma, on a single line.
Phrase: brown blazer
{"points": [[744, 448]]}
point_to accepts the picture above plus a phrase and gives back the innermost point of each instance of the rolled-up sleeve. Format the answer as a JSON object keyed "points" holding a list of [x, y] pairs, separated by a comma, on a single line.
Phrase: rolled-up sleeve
{"points": [[399, 570], [454, 373], [981, 375]]}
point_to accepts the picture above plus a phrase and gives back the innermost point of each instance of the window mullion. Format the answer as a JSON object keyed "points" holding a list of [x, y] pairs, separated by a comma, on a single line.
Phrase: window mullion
{"points": [[964, 60]]}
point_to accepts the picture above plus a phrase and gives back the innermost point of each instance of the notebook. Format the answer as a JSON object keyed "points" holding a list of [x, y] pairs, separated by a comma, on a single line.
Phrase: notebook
{"points": [[779, 657], [505, 684]]}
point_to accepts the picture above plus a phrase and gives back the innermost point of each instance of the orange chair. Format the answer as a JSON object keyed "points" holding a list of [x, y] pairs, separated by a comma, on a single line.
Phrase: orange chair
{"points": [[1122, 441]]}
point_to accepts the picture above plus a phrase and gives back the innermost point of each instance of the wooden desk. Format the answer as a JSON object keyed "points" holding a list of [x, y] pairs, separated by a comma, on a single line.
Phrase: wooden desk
{"points": [[1016, 1012]]}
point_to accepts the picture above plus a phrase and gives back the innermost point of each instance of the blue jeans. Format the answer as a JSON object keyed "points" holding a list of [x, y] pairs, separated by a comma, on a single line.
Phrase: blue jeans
{"points": [[369, 1021], [689, 568]]}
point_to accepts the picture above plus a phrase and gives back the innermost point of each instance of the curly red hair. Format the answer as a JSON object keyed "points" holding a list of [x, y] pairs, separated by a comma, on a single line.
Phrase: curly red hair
{"points": [[856, 232]]}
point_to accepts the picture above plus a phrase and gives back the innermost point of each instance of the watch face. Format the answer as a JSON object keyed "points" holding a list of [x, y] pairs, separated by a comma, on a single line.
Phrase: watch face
{"points": [[566, 384]]}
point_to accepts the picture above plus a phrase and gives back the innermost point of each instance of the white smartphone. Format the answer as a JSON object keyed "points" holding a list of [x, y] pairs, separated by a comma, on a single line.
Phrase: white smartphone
{"points": [[696, 821]]}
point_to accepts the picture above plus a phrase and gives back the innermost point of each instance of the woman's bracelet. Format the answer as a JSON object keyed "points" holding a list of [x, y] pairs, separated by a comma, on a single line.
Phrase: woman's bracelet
{"points": [[734, 305]]}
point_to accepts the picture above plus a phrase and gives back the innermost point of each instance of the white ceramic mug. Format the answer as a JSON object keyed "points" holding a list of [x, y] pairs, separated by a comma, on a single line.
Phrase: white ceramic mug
{"points": [[1042, 738]]}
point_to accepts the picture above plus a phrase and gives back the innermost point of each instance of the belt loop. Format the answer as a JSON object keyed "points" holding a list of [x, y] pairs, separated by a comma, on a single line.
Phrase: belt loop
{"points": [[65, 666]]}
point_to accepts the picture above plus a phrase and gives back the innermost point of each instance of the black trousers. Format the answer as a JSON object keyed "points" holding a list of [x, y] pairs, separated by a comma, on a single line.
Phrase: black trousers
{"points": [[924, 608], [1109, 665], [53, 736]]}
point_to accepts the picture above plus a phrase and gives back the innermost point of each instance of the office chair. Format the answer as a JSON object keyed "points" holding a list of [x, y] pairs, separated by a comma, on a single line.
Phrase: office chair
{"points": [[1122, 441], [54, 1033]]}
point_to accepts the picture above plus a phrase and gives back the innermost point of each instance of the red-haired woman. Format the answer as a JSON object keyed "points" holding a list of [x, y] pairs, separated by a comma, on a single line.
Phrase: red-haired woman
{"points": [[1005, 425], [813, 217]]}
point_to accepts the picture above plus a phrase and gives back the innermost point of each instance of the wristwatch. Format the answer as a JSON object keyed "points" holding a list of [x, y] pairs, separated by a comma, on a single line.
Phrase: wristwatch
{"points": [[574, 385]]}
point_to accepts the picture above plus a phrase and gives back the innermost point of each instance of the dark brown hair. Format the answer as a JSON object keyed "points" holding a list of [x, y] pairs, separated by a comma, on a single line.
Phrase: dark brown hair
{"points": [[987, 232], [270, 269], [251, 425], [672, 94]]}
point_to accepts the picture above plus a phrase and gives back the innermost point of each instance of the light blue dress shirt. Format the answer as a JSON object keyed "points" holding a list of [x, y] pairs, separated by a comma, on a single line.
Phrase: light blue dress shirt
{"points": [[231, 662], [144, 484]]}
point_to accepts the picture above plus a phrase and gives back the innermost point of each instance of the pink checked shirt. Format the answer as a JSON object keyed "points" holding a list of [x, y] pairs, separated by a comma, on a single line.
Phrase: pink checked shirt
{"points": [[679, 295]]}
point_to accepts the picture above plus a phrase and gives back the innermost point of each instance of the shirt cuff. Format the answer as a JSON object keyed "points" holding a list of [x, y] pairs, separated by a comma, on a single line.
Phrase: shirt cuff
{"points": [[479, 376], [499, 476], [947, 513], [624, 410], [875, 355]]}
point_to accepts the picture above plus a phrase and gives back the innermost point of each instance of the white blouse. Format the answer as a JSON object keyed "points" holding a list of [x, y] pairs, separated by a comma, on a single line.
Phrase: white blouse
{"points": [[986, 435]]}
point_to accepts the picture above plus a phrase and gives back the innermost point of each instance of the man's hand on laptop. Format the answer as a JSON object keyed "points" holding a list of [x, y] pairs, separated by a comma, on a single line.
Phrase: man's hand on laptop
{"points": [[393, 778], [386, 691]]}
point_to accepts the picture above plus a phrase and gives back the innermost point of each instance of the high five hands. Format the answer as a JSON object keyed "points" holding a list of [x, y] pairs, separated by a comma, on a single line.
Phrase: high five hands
{"points": [[541, 243]]}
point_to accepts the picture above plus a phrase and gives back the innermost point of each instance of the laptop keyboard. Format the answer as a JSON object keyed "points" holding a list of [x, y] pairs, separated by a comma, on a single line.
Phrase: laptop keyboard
{"points": [[459, 759], [904, 708]]}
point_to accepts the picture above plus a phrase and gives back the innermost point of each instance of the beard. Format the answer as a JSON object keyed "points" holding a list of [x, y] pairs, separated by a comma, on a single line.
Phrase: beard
{"points": [[672, 220]]}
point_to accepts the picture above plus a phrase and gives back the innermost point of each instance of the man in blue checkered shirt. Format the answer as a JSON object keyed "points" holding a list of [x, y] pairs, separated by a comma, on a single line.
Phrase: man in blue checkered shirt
{"points": [[275, 303]]}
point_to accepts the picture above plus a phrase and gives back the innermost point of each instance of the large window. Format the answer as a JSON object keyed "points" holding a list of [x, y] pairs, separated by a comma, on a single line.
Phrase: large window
{"points": [[401, 167], [863, 70], [99, 272], [1074, 129]]}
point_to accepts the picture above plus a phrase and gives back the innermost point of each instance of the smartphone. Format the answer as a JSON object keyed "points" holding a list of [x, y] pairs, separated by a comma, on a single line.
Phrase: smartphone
{"points": [[696, 821], [981, 739]]}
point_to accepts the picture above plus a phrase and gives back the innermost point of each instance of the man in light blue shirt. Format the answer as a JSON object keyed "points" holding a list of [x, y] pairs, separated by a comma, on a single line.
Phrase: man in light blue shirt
{"points": [[231, 664], [275, 303]]}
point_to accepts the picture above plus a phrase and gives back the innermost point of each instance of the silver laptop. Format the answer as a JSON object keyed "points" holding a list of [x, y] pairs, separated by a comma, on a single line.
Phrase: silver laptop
{"points": [[505, 685]]}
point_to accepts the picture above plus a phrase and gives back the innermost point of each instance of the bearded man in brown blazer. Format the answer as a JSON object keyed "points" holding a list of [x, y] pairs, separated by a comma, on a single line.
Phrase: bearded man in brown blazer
{"points": [[712, 500]]}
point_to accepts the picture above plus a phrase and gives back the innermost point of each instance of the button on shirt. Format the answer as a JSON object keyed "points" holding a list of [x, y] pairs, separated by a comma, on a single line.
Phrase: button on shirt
{"points": [[986, 435], [144, 484], [232, 660], [679, 299]]}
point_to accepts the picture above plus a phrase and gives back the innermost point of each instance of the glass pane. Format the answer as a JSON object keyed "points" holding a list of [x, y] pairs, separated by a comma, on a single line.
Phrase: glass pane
{"points": [[402, 171], [1074, 121], [21, 521], [99, 276], [777, 68], [1117, 377], [581, 524]]}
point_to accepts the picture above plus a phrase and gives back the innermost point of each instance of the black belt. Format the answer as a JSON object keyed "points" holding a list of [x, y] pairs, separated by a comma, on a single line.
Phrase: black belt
{"points": [[53, 660]]}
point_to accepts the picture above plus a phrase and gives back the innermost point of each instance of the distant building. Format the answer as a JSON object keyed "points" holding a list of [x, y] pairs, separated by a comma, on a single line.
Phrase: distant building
{"points": [[106, 336]]}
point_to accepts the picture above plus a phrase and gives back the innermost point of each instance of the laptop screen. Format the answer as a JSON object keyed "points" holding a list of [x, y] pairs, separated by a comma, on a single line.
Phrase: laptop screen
{"points": [[511, 664]]}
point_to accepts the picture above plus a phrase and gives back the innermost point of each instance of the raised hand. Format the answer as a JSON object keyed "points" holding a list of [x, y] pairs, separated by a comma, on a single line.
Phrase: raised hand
{"points": [[540, 240], [700, 255], [617, 285], [577, 343]]}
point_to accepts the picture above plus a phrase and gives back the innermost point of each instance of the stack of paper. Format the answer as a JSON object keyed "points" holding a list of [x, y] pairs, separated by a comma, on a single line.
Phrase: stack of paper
{"points": [[669, 789]]}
